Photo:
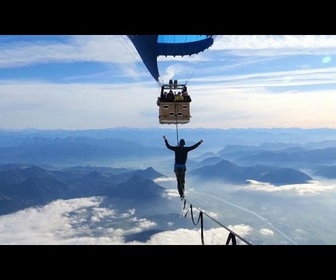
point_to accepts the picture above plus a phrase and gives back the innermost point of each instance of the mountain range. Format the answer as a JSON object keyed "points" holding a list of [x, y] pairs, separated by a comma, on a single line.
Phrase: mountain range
{"points": [[28, 176]]}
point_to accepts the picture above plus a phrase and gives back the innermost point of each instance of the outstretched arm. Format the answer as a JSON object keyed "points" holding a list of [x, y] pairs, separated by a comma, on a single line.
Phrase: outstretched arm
{"points": [[195, 146], [167, 144]]}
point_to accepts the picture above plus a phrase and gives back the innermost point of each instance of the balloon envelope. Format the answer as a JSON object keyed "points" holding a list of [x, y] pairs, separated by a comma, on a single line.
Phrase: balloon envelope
{"points": [[150, 47]]}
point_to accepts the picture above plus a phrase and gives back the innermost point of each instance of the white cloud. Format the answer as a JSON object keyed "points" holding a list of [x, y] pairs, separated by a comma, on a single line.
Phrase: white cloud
{"points": [[91, 48], [245, 81], [266, 231], [83, 222], [312, 188], [267, 45]]}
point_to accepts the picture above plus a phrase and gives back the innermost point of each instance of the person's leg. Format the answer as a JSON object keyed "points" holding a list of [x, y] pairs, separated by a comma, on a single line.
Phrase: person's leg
{"points": [[182, 176], [180, 185]]}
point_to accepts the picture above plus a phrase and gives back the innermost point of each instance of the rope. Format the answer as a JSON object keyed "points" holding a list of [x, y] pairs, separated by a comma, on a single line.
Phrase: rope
{"points": [[200, 218], [176, 125], [177, 137], [195, 67], [232, 235]]}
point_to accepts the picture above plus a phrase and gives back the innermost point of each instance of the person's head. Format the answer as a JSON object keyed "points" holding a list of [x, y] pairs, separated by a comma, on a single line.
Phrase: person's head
{"points": [[182, 143]]}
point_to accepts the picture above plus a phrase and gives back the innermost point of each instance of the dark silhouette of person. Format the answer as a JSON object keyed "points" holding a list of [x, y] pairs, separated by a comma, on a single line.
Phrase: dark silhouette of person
{"points": [[181, 156], [170, 96]]}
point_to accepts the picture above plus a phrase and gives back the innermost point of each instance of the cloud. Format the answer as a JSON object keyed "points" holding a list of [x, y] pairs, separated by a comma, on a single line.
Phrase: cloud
{"points": [[77, 48], [93, 81], [268, 45], [118, 49], [83, 221], [310, 189], [214, 236], [266, 231]]}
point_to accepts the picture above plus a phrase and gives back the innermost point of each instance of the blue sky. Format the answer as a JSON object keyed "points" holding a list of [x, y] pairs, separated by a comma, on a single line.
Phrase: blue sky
{"points": [[99, 81]]}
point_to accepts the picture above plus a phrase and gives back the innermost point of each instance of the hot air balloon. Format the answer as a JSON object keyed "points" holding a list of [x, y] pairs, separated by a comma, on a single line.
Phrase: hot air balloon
{"points": [[174, 101]]}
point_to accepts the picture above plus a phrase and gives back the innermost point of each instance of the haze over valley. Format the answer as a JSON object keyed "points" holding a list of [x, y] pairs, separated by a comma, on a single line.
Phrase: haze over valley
{"points": [[117, 186]]}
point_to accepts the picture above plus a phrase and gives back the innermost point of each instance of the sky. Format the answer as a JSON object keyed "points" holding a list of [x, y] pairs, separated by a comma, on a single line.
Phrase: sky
{"points": [[99, 81]]}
